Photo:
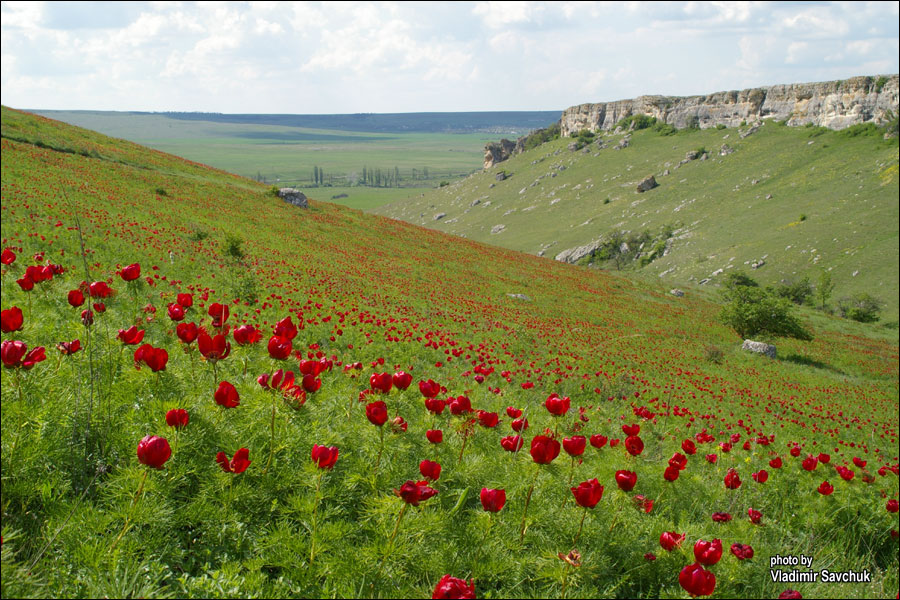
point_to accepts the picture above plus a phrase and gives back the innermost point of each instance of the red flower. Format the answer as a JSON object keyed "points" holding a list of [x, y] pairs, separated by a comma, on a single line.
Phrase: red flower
{"points": [[100, 289], [488, 419], [213, 348], [153, 451], [131, 272], [859, 462], [285, 328], [324, 456], [790, 595], [75, 298], [512, 443], [25, 283], [845, 473], [246, 335], [7, 257], [177, 418], [452, 587], [279, 347], [376, 412], [649, 556], [187, 332], [755, 516], [175, 311], [430, 470], [435, 406], [742, 551], [689, 447], [613, 442], [732, 480], [557, 406], [87, 318], [711, 458], [155, 358], [381, 382], [679, 461], [776, 462], [708, 553], [513, 413], [460, 405], [588, 493], [826, 488], [760, 476], [795, 451], [236, 465], [696, 580], [598, 441], [634, 445], [219, 314], [414, 492], [671, 473], [544, 449], [810, 463], [15, 354], [402, 380], [626, 480], [11, 319], [492, 500], [398, 425], [892, 506], [721, 517], [575, 445], [185, 300], [630, 430], [429, 389], [67, 348], [435, 436], [669, 540], [131, 336], [824, 458], [642, 504], [519, 425], [226, 395]]}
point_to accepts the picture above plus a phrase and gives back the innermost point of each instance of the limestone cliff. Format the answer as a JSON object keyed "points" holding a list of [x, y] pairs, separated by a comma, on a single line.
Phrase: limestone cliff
{"points": [[832, 104]]}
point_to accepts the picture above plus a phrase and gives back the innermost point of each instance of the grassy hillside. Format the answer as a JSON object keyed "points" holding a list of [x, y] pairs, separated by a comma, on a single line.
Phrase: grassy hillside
{"points": [[803, 200], [425, 148], [82, 516]]}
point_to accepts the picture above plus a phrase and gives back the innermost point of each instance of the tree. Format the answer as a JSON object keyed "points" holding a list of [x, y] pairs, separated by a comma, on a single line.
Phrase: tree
{"points": [[862, 307], [825, 288], [753, 311]]}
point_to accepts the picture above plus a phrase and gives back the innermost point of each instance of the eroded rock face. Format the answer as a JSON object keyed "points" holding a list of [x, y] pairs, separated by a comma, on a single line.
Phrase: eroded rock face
{"points": [[294, 196], [759, 348], [832, 104], [496, 152]]}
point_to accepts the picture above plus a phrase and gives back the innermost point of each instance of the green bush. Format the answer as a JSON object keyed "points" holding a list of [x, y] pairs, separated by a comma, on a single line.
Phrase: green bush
{"points": [[862, 307], [739, 279], [800, 292], [720, 126], [753, 311], [233, 247]]}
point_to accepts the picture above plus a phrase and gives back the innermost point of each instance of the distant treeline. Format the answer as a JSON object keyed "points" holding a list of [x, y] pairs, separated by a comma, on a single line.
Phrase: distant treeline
{"points": [[425, 122], [367, 176]]}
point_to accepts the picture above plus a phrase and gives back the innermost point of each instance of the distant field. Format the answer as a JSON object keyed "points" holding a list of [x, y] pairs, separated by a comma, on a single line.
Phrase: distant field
{"points": [[277, 149]]}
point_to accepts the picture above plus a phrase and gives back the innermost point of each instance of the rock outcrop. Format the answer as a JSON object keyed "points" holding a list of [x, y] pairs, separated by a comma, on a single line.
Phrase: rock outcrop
{"points": [[832, 104], [293, 196], [760, 348], [495, 152], [647, 184]]}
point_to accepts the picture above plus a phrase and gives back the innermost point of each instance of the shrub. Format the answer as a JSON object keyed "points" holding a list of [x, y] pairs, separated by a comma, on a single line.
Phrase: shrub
{"points": [[799, 292], [713, 354], [862, 307], [739, 279], [233, 247], [720, 126], [753, 311], [161, 192], [636, 122]]}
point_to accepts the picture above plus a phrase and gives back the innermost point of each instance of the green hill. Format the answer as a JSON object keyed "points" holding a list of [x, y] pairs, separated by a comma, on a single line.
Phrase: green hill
{"points": [[800, 200], [116, 246]]}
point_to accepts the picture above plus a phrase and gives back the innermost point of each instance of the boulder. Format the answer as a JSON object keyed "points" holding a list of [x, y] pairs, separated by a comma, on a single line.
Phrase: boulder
{"points": [[520, 297], [500, 176], [725, 150], [759, 348], [439, 216], [497, 229], [293, 196], [647, 184], [677, 293]]}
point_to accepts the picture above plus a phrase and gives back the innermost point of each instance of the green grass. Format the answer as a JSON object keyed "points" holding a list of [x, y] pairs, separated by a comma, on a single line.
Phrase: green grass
{"points": [[390, 295], [286, 155], [727, 212]]}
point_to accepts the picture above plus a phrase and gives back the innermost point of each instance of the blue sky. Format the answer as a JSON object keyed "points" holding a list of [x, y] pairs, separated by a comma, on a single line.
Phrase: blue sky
{"points": [[345, 57]]}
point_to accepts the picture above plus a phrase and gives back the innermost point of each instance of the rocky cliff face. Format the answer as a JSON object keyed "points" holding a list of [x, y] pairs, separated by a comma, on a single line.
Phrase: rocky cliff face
{"points": [[832, 104]]}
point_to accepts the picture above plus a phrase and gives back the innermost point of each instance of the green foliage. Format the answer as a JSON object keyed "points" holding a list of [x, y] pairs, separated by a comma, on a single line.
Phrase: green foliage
{"points": [[233, 247], [824, 288], [879, 83], [542, 136], [737, 279], [798, 292], [273, 191], [862, 307], [636, 122], [444, 183], [753, 311], [713, 354], [160, 191]]}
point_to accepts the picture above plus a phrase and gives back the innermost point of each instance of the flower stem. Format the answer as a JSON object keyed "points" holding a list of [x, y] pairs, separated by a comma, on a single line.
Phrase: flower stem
{"points": [[380, 449], [272, 438], [580, 526], [390, 542], [527, 502], [312, 549], [131, 511], [463, 448]]}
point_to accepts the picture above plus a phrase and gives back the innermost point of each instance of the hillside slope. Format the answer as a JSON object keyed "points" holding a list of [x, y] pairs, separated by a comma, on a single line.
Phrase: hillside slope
{"points": [[802, 200], [369, 296]]}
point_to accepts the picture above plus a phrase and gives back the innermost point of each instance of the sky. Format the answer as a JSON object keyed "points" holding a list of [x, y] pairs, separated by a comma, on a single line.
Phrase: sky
{"points": [[352, 57]]}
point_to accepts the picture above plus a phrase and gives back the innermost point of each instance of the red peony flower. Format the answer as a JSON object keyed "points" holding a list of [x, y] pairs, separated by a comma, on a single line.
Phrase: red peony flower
{"points": [[153, 451], [236, 465], [246, 335], [131, 272], [598, 441], [760, 476], [213, 348], [131, 336], [402, 380], [226, 395], [11, 319], [557, 406], [544, 449], [452, 587], [376, 412], [826, 488], [187, 332], [177, 418], [634, 445], [414, 492], [575, 445], [742, 551], [669, 540], [708, 553], [588, 493], [492, 500], [732, 479], [697, 581], [435, 436], [430, 470], [512, 443], [755, 516], [626, 480], [429, 389], [324, 456]]}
